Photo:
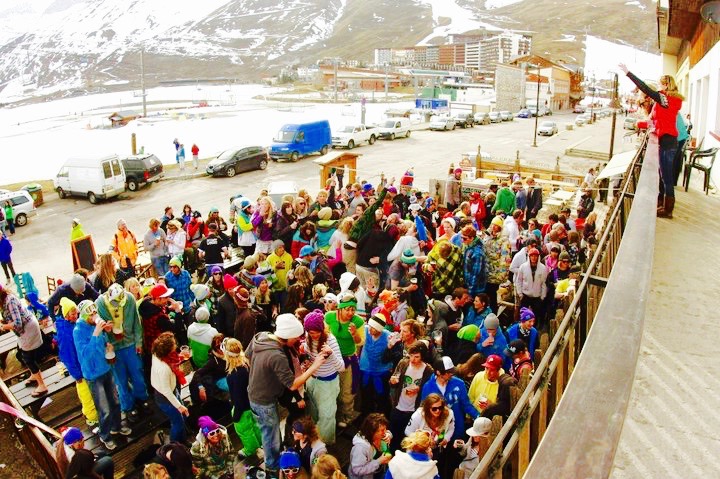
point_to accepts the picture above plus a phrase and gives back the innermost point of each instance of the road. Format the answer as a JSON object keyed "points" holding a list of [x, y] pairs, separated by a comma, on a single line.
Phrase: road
{"points": [[42, 248]]}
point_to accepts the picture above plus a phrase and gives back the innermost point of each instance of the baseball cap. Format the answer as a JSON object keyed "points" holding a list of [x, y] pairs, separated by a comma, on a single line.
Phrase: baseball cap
{"points": [[516, 346], [493, 361], [161, 291], [445, 365]]}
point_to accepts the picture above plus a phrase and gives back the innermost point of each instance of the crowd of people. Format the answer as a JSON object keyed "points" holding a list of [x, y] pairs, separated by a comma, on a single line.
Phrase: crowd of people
{"points": [[368, 308]]}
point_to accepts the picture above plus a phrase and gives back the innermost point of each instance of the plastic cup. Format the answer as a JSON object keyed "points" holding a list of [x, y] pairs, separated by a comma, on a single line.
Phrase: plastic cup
{"points": [[260, 474], [185, 351]]}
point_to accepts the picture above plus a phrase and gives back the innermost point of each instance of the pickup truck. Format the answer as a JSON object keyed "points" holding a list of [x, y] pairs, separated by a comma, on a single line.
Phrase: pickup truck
{"points": [[352, 135]]}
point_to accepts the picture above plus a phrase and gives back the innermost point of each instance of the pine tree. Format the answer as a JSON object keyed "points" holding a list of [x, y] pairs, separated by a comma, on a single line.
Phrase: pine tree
{"points": [[365, 223]]}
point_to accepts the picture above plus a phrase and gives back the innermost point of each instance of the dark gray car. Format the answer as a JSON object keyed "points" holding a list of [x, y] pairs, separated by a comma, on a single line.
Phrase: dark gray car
{"points": [[231, 162]]}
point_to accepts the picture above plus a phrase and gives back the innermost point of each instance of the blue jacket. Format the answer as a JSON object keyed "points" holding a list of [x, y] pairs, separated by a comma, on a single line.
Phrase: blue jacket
{"points": [[513, 332], [456, 396], [371, 357], [36, 306], [90, 350], [475, 267], [5, 250], [498, 346], [475, 317], [66, 345], [181, 284]]}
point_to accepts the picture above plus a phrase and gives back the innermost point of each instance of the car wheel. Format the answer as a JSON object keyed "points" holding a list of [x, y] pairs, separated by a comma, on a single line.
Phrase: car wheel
{"points": [[21, 220], [263, 164], [407, 135], [92, 198], [230, 172], [324, 150], [445, 128], [351, 145], [294, 156], [61, 193], [453, 127], [132, 184], [472, 125], [371, 140], [392, 136]]}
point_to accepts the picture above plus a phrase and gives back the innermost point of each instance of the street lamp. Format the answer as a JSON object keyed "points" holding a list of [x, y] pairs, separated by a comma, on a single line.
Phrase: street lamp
{"points": [[537, 107], [592, 105], [615, 106]]}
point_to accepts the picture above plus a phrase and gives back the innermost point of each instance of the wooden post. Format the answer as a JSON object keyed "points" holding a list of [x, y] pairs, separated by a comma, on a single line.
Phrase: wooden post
{"points": [[133, 144], [539, 421], [478, 164]]}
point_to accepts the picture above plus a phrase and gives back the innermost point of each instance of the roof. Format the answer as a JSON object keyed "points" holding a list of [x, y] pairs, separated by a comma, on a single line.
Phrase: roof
{"points": [[119, 115]]}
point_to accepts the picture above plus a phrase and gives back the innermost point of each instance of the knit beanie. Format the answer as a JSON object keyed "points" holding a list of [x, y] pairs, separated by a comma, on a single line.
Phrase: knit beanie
{"points": [[242, 296], [77, 283], [202, 315], [229, 282], [276, 244], [347, 300], [72, 435], [86, 308], [526, 314], [175, 261], [377, 322], [67, 305], [468, 333], [315, 321], [287, 326], [206, 425], [491, 322], [200, 291]]}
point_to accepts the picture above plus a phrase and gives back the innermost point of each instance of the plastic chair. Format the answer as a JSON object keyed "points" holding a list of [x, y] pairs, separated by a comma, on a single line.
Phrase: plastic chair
{"points": [[696, 162]]}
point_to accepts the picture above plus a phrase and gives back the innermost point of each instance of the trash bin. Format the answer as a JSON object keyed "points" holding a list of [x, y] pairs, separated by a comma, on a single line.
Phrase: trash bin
{"points": [[35, 190]]}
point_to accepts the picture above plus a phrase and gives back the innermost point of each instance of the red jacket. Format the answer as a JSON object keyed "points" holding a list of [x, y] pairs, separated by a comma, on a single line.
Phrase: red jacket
{"points": [[195, 150]]}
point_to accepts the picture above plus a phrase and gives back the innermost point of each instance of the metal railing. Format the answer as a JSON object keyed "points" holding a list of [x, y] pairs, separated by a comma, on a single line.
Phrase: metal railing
{"points": [[575, 434]]}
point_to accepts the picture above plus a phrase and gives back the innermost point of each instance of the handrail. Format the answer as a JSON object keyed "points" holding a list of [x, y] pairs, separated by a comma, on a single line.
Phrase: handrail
{"points": [[558, 361], [582, 438]]}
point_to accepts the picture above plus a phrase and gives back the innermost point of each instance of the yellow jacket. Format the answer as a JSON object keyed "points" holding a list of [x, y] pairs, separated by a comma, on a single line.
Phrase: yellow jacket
{"points": [[480, 386], [125, 245]]}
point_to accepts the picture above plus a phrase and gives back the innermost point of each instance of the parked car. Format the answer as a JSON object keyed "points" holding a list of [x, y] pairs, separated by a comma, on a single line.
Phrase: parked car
{"points": [[395, 127], [481, 118], [495, 117], [506, 115], [97, 178], [141, 170], [582, 119], [524, 113], [630, 124], [545, 111], [579, 109], [231, 162], [464, 120], [547, 128], [442, 123], [22, 204], [296, 140], [351, 135]]}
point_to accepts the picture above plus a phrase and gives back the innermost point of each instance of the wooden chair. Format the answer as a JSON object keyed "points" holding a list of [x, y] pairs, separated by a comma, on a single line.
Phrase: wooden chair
{"points": [[702, 160]]}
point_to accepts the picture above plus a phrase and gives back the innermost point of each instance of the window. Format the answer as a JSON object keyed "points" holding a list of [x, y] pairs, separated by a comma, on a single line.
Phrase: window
{"points": [[107, 171], [19, 200], [63, 172], [117, 171]]}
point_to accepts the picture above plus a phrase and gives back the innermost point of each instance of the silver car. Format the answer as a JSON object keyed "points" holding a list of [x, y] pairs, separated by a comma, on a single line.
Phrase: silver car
{"points": [[547, 128]]}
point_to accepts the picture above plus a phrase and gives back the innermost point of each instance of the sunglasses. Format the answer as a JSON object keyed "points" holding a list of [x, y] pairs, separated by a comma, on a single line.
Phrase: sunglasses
{"points": [[290, 470], [213, 433], [437, 408]]}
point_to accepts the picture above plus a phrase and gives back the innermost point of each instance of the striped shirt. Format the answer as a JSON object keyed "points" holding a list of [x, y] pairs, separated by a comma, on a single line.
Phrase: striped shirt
{"points": [[333, 364]]}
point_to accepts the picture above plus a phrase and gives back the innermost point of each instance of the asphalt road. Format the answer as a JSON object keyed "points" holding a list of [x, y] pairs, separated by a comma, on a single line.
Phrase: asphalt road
{"points": [[43, 249]]}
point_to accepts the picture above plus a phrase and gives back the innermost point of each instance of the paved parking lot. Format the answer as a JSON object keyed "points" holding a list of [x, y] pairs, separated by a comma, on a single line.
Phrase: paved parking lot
{"points": [[43, 247]]}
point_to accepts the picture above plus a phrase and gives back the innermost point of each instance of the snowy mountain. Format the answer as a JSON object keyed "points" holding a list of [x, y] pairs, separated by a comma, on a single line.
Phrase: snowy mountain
{"points": [[79, 45]]}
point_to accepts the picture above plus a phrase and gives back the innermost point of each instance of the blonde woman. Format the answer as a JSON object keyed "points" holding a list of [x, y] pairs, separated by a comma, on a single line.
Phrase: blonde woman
{"points": [[133, 286], [417, 458], [105, 272], [340, 236], [176, 238], [300, 206], [327, 467], [263, 221], [237, 368]]}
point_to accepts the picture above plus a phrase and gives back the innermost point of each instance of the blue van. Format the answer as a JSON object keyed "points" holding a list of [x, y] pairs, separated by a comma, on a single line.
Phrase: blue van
{"points": [[294, 141]]}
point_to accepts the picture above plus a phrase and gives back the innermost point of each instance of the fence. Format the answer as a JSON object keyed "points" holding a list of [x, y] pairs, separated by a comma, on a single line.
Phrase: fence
{"points": [[577, 437]]}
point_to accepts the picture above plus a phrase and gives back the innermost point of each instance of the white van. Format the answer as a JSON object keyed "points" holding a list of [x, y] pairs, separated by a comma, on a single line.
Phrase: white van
{"points": [[394, 127], [22, 204], [97, 178], [278, 189]]}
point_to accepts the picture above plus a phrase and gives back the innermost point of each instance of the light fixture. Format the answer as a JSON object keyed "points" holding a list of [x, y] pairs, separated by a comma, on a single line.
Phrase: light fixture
{"points": [[710, 11]]}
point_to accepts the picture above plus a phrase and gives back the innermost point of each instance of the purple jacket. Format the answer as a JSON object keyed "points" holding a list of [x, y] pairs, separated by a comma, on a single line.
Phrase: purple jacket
{"points": [[262, 229], [5, 250]]}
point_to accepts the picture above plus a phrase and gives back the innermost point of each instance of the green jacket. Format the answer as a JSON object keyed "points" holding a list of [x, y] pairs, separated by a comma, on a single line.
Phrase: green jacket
{"points": [[8, 212], [127, 315], [505, 200]]}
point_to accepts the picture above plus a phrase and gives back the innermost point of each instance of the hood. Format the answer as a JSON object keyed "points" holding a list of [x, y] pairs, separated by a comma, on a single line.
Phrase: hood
{"points": [[412, 466], [326, 225], [345, 279], [263, 342], [360, 441]]}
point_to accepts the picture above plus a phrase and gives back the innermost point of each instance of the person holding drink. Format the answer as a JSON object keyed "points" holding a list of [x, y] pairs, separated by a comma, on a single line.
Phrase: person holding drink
{"points": [[119, 309], [90, 337], [406, 381], [167, 379]]}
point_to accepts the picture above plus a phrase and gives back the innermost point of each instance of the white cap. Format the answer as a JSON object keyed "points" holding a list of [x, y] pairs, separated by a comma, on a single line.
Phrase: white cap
{"points": [[481, 427], [287, 326]]}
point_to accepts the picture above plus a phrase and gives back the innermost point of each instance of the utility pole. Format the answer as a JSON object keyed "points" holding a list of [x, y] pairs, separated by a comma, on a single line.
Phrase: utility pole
{"points": [[142, 81], [592, 105], [336, 78], [386, 81], [615, 106], [537, 107]]}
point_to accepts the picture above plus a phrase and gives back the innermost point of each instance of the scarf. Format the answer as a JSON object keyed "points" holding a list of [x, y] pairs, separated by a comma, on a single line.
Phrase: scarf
{"points": [[173, 360]]}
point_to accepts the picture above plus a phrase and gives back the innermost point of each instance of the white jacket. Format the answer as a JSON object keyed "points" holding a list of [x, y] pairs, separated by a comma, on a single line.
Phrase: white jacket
{"points": [[530, 285], [163, 380], [418, 423], [404, 466]]}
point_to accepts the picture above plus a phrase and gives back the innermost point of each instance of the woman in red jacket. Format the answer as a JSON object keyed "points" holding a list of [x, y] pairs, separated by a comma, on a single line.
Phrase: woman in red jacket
{"points": [[668, 102]]}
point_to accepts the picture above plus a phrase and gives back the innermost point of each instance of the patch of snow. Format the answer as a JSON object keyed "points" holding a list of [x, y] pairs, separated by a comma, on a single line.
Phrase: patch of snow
{"points": [[490, 4], [116, 82], [602, 58], [566, 38], [461, 19]]}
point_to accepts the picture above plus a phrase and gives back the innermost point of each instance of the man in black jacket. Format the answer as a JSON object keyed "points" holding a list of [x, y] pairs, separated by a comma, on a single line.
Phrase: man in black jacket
{"points": [[534, 199]]}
